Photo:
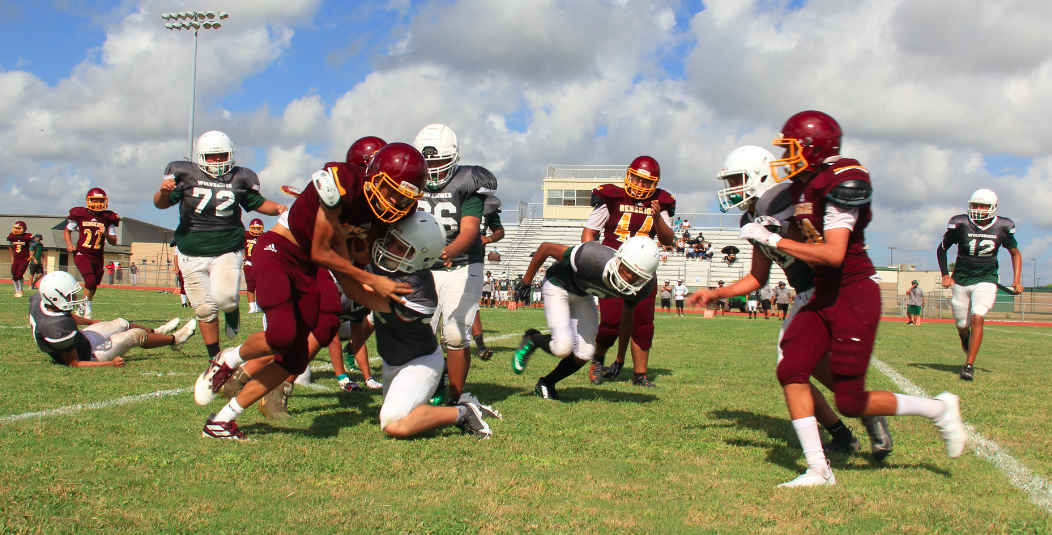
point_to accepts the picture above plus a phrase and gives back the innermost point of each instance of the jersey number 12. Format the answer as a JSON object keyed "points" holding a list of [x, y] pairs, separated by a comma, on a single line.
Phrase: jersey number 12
{"points": [[988, 247]]}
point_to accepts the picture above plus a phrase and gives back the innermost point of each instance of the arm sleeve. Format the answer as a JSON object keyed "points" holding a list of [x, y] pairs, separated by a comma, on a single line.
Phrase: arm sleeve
{"points": [[600, 214], [175, 196], [493, 221], [253, 199], [111, 230], [940, 252], [837, 217], [472, 206]]}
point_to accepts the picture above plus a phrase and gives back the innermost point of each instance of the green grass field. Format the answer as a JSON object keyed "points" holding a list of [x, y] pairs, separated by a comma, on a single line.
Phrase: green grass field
{"points": [[700, 454]]}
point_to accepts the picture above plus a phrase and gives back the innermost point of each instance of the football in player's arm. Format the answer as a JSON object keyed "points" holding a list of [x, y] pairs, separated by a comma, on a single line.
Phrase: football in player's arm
{"points": [[978, 235]]}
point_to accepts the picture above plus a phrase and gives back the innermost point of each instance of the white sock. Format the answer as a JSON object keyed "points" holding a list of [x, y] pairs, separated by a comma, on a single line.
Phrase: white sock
{"points": [[18, 286], [929, 408], [182, 297], [811, 441], [233, 358], [303, 378], [230, 412], [87, 306]]}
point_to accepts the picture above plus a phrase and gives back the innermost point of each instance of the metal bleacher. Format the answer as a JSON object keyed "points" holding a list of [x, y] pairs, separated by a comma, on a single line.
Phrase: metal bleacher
{"points": [[522, 240]]}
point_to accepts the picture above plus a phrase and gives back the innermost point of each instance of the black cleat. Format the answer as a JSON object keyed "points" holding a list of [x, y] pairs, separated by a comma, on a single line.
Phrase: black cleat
{"points": [[643, 381], [545, 391], [485, 353], [842, 446], [967, 372], [613, 370], [879, 436], [595, 372]]}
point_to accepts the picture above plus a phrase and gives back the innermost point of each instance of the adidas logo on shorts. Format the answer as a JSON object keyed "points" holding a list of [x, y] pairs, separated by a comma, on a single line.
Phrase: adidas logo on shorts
{"points": [[271, 248]]}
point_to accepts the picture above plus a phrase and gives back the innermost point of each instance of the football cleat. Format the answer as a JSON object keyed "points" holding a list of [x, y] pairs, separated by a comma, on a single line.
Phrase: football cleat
{"points": [[473, 424], [224, 430], [275, 404], [643, 381], [545, 391], [842, 446], [950, 425], [486, 410], [441, 395], [967, 372], [167, 327], [879, 436], [810, 478], [81, 310], [613, 370], [184, 334], [373, 383], [208, 384], [86, 315], [186, 305], [595, 372], [526, 348], [237, 381], [485, 353], [351, 386]]}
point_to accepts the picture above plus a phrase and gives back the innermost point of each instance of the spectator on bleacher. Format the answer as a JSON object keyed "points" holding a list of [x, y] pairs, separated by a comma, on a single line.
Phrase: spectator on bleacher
{"points": [[783, 296], [680, 245], [686, 224], [677, 224], [731, 253], [706, 251], [697, 251], [765, 300], [686, 235], [681, 292], [914, 303], [664, 255], [666, 298]]}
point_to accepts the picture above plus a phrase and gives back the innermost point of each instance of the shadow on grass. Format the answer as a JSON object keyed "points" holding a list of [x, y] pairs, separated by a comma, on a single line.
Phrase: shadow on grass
{"points": [[938, 366], [578, 394], [323, 426], [784, 451], [626, 374]]}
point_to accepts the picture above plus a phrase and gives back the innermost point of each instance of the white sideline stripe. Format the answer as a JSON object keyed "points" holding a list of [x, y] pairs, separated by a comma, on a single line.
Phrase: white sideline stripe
{"points": [[70, 409], [14, 327], [1020, 332], [168, 374], [1021, 477]]}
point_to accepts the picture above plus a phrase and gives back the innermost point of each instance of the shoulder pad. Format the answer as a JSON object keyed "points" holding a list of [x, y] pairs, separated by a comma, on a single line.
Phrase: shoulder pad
{"points": [[606, 193], [959, 219], [851, 193], [484, 181], [329, 190], [248, 176], [1006, 223], [77, 212], [179, 168], [491, 206], [112, 218], [776, 202]]}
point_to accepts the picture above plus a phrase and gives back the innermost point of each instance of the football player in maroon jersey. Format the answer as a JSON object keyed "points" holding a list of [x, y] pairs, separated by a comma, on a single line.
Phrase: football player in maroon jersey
{"points": [[831, 198], [255, 230], [96, 225], [342, 201], [639, 208], [18, 245]]}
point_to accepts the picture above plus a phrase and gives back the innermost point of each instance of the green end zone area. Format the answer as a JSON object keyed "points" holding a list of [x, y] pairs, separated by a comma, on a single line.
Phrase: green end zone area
{"points": [[702, 453]]}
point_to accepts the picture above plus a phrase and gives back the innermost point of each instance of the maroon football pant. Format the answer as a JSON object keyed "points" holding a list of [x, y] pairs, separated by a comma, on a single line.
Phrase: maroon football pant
{"points": [[18, 268], [289, 296], [610, 310], [91, 269], [330, 308], [842, 323], [250, 278]]}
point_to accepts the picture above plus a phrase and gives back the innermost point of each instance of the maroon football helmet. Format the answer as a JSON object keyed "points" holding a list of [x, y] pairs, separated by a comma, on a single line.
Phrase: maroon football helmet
{"points": [[255, 228], [97, 200], [394, 181], [808, 137], [19, 227], [642, 177], [362, 151]]}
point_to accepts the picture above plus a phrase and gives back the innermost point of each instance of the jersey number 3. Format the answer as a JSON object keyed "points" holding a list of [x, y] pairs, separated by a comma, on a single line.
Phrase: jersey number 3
{"points": [[206, 195], [624, 232]]}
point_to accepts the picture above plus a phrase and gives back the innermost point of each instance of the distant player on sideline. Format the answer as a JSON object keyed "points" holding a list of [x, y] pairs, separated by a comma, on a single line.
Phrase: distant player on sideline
{"points": [[830, 210], [95, 225], [36, 260], [977, 235], [580, 274], [638, 208], [255, 230], [101, 343], [18, 245], [750, 165], [211, 237], [455, 195], [490, 222]]}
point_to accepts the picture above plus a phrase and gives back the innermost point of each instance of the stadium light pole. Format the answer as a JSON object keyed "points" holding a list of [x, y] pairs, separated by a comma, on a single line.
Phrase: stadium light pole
{"points": [[194, 20], [891, 256]]}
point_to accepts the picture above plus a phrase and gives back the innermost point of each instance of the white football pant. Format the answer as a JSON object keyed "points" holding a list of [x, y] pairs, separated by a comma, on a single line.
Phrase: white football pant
{"points": [[573, 321], [111, 339], [459, 291], [410, 385], [974, 300], [212, 283]]}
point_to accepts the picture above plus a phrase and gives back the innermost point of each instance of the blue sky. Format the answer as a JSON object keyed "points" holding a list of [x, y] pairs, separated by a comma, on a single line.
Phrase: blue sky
{"points": [[96, 93]]}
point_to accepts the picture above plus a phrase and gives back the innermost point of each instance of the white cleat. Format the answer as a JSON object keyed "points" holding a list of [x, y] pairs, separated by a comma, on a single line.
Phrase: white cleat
{"points": [[373, 383], [810, 478], [950, 425], [167, 327], [86, 315], [184, 334]]}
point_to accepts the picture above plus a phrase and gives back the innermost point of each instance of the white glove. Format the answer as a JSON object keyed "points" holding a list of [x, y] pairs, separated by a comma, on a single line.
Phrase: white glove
{"points": [[772, 224], [756, 232], [328, 190]]}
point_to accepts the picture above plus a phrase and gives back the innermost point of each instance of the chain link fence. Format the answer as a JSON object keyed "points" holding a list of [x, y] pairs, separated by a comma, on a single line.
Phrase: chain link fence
{"points": [[1034, 304]]}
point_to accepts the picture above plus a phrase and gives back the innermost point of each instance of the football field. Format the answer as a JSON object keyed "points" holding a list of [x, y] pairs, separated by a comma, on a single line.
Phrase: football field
{"points": [[108, 450]]}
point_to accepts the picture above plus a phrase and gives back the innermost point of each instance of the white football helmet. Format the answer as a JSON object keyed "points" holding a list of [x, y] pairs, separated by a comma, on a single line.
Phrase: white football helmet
{"points": [[58, 289], [412, 243], [638, 256], [215, 142], [438, 144], [753, 165], [982, 205]]}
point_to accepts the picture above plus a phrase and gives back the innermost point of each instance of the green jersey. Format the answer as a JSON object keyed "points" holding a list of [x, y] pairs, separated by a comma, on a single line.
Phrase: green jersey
{"points": [[976, 248]]}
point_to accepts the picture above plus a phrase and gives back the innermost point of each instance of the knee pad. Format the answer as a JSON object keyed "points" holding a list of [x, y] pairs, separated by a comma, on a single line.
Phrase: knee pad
{"points": [[390, 413], [790, 373], [585, 352], [345, 331], [606, 335], [643, 335], [206, 312], [228, 303], [851, 402], [125, 324], [328, 326], [455, 335], [279, 331], [562, 347], [89, 283], [139, 336]]}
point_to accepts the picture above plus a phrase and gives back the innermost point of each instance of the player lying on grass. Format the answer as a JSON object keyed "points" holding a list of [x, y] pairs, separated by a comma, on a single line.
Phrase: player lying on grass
{"points": [[750, 188], [580, 274], [101, 343]]}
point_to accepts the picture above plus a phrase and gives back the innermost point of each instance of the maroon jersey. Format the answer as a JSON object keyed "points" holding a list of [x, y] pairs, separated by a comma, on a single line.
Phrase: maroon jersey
{"points": [[92, 227], [629, 217], [250, 243], [355, 210], [20, 246], [809, 210]]}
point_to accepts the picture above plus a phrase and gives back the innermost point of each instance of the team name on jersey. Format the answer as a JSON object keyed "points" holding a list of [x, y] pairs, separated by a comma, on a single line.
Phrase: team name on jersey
{"points": [[214, 184], [442, 195], [992, 236], [92, 224], [628, 208], [803, 208]]}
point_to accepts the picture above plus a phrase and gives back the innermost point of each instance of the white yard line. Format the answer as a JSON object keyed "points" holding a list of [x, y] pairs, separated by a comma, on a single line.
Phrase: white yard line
{"points": [[1037, 487], [14, 326], [70, 409], [1020, 332]]}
